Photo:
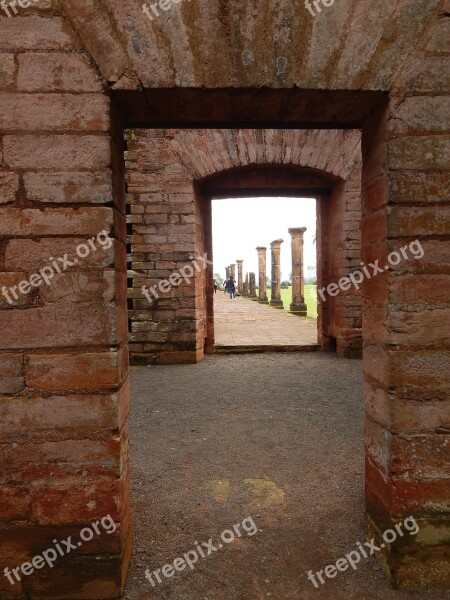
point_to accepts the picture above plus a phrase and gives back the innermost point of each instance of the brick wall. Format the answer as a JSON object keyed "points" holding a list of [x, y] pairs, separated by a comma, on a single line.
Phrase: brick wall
{"points": [[63, 359]]}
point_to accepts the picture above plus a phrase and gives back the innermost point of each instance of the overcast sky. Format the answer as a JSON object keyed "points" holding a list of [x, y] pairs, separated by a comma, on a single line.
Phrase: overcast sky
{"points": [[242, 224]]}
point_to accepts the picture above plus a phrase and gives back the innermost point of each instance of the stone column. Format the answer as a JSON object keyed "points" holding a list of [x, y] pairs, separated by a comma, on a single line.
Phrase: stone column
{"points": [[240, 282], [275, 248], [227, 272], [233, 271], [298, 306], [252, 283], [262, 296], [246, 286]]}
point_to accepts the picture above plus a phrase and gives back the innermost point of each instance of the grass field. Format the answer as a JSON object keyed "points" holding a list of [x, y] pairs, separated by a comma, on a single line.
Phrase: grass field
{"points": [[310, 299]]}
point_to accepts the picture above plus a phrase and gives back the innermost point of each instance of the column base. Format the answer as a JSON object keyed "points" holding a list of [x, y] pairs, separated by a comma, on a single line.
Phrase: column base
{"points": [[277, 304], [263, 300], [300, 310], [254, 298]]}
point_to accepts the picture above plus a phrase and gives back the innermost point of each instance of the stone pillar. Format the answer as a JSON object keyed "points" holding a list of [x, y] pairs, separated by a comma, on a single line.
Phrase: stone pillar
{"points": [[233, 271], [262, 296], [298, 306], [240, 281], [227, 272], [246, 286], [252, 283], [275, 248]]}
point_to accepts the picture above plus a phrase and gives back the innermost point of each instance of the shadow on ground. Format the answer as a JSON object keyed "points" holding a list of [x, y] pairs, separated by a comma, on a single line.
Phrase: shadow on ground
{"points": [[278, 437]]}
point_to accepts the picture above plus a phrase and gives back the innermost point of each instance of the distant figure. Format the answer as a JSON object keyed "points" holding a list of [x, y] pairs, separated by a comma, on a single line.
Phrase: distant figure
{"points": [[225, 285], [215, 286], [232, 288]]}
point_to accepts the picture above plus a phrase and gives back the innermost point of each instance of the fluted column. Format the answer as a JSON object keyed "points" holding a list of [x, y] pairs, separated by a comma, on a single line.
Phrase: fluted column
{"points": [[262, 296], [275, 248], [298, 306]]}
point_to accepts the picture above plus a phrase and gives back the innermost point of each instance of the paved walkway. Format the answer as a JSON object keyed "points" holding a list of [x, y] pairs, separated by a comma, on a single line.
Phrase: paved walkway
{"points": [[245, 323]]}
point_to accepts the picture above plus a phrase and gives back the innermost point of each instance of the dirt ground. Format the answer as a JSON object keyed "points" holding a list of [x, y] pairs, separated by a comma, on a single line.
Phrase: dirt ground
{"points": [[277, 437]]}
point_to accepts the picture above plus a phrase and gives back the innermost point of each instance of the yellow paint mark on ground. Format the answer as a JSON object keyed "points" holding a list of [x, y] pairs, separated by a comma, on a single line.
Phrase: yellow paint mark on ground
{"points": [[217, 490], [266, 492]]}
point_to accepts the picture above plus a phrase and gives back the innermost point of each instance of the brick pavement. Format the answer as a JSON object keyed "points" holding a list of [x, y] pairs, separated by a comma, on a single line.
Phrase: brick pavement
{"points": [[245, 322]]}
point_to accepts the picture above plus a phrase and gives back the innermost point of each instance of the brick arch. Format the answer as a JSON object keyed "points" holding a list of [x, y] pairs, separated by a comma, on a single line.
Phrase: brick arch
{"points": [[206, 152], [325, 164]]}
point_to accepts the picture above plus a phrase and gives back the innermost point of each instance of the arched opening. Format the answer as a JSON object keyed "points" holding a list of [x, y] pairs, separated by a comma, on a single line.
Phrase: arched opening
{"points": [[339, 320]]}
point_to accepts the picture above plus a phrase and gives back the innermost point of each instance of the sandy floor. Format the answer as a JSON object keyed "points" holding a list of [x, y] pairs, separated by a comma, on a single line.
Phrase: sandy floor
{"points": [[278, 437]]}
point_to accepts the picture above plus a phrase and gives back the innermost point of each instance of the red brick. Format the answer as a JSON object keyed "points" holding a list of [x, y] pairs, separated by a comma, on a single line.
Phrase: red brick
{"points": [[35, 33], [76, 326], [420, 289], [418, 221], [94, 188], [100, 577], [11, 385], [57, 152], [32, 255], [85, 286], [374, 227], [54, 112], [62, 417], [15, 504], [412, 416], [7, 70], [421, 114], [10, 281], [421, 367], [55, 221], [432, 152], [91, 371], [428, 327], [45, 72], [9, 185], [419, 187], [421, 456]]}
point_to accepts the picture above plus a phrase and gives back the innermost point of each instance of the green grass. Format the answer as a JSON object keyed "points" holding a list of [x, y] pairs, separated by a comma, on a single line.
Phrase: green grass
{"points": [[310, 298]]}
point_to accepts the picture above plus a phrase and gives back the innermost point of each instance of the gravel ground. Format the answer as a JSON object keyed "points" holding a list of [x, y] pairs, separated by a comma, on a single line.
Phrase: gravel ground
{"points": [[277, 437]]}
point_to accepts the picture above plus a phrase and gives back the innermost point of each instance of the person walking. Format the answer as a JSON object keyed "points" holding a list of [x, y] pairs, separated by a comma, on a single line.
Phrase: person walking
{"points": [[225, 286], [232, 288], [215, 286]]}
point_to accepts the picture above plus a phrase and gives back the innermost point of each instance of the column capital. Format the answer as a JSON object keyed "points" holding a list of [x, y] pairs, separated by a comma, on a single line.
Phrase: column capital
{"points": [[240, 261], [276, 243], [261, 248], [297, 230]]}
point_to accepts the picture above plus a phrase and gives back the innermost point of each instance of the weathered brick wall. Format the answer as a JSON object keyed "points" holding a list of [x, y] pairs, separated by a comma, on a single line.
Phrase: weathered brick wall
{"points": [[168, 220], [406, 325], [63, 359], [339, 234], [64, 444], [163, 227]]}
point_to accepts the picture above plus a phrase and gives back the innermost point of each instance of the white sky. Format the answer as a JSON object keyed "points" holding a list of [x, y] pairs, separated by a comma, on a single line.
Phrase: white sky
{"points": [[242, 224]]}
